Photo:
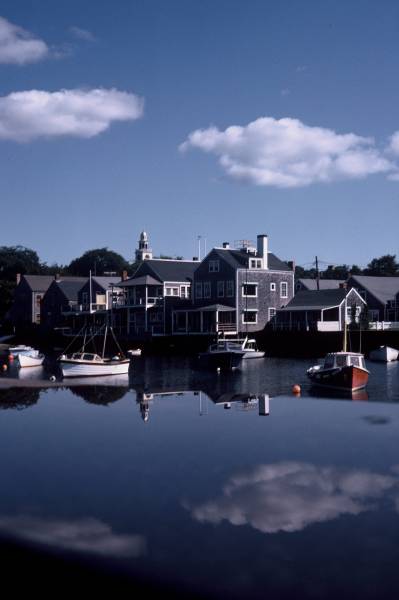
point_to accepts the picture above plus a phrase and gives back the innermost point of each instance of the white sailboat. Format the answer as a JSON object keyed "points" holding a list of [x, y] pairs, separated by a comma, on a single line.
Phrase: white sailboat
{"points": [[89, 364]]}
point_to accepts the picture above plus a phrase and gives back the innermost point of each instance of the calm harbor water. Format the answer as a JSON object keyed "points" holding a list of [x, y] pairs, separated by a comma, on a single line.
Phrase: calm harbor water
{"points": [[177, 476]]}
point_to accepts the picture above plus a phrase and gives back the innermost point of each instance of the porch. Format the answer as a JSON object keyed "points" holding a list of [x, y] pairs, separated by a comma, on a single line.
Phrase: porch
{"points": [[214, 318]]}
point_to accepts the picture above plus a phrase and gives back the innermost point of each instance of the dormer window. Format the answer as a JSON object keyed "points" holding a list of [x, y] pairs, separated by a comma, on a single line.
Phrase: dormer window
{"points": [[255, 263], [214, 266]]}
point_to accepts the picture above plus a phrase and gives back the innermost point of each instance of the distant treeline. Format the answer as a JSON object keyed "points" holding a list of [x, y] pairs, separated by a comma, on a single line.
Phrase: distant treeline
{"points": [[385, 266]]}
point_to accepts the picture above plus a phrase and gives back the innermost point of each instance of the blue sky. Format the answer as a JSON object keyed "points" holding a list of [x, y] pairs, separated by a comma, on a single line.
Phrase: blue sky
{"points": [[322, 181]]}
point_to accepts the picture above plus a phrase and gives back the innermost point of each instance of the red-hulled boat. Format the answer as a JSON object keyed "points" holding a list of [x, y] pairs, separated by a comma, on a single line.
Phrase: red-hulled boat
{"points": [[341, 371]]}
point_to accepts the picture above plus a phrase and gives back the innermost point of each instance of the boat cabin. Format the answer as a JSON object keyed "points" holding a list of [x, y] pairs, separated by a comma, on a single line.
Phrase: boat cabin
{"points": [[86, 357], [343, 359]]}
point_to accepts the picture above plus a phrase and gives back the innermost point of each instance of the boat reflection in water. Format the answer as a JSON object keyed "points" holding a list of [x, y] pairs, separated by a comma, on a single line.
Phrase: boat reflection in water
{"points": [[355, 395]]}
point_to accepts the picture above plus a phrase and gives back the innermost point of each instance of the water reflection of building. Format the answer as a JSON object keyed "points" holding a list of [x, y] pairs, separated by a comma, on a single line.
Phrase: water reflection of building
{"points": [[246, 402], [242, 401]]}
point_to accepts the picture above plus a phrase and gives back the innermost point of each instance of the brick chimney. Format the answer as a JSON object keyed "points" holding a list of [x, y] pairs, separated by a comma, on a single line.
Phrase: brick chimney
{"points": [[291, 264], [57, 277], [226, 245], [124, 275], [18, 278]]}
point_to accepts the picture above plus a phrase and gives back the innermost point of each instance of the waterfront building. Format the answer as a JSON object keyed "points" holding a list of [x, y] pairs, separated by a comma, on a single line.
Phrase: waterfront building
{"points": [[60, 298], [320, 310], [28, 295], [236, 291], [156, 288], [380, 293]]}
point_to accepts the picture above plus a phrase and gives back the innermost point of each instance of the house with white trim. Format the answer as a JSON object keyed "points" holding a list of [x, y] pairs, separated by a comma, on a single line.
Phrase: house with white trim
{"points": [[320, 310], [236, 290]]}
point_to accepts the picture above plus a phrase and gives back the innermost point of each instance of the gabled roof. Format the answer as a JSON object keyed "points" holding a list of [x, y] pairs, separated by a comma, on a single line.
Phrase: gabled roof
{"points": [[143, 280], [167, 270], [316, 299], [239, 259], [70, 286], [105, 281], [38, 283], [325, 284], [382, 288]]}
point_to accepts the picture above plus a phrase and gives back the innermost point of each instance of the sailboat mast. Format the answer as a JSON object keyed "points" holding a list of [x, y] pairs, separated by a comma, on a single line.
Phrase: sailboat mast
{"points": [[344, 345], [90, 293], [105, 339]]}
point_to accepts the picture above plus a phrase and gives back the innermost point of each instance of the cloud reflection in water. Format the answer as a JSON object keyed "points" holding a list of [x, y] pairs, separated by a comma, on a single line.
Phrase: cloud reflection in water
{"points": [[81, 535], [289, 496]]}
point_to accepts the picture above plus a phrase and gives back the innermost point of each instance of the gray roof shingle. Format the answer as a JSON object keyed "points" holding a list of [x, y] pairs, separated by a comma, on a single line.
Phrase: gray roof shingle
{"points": [[325, 284], [316, 299], [238, 259], [39, 283], [382, 288], [167, 270]]}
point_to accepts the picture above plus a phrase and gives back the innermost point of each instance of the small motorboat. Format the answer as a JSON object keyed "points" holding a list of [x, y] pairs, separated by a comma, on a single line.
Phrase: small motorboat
{"points": [[26, 356], [222, 355], [384, 354], [340, 370], [30, 358], [249, 346]]}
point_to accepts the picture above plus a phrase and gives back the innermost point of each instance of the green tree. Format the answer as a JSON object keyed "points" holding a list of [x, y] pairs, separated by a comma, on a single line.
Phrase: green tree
{"points": [[18, 259], [98, 261], [385, 266]]}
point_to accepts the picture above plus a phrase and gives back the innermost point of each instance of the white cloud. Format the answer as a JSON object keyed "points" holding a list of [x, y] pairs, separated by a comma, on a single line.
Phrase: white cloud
{"points": [[18, 46], [80, 535], [290, 496], [394, 143], [288, 153], [25, 116], [82, 34]]}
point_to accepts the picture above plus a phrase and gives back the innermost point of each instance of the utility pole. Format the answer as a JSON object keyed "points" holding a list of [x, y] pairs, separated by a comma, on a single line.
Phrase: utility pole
{"points": [[317, 274]]}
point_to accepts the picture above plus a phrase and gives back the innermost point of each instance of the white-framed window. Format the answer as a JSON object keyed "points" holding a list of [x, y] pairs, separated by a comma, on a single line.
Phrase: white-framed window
{"points": [[214, 266], [250, 317], [230, 288], [207, 289], [172, 291], [250, 290], [198, 290], [351, 312], [185, 291], [272, 313], [220, 289], [283, 289], [255, 263], [272, 287]]}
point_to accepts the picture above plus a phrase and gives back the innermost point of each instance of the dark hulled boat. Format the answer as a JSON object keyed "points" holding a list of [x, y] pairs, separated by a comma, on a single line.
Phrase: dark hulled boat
{"points": [[341, 370], [221, 355]]}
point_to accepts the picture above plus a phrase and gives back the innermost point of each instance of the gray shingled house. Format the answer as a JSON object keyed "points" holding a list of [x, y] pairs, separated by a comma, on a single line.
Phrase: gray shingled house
{"points": [[61, 297], [236, 291], [380, 294], [320, 310], [28, 296], [157, 286]]}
